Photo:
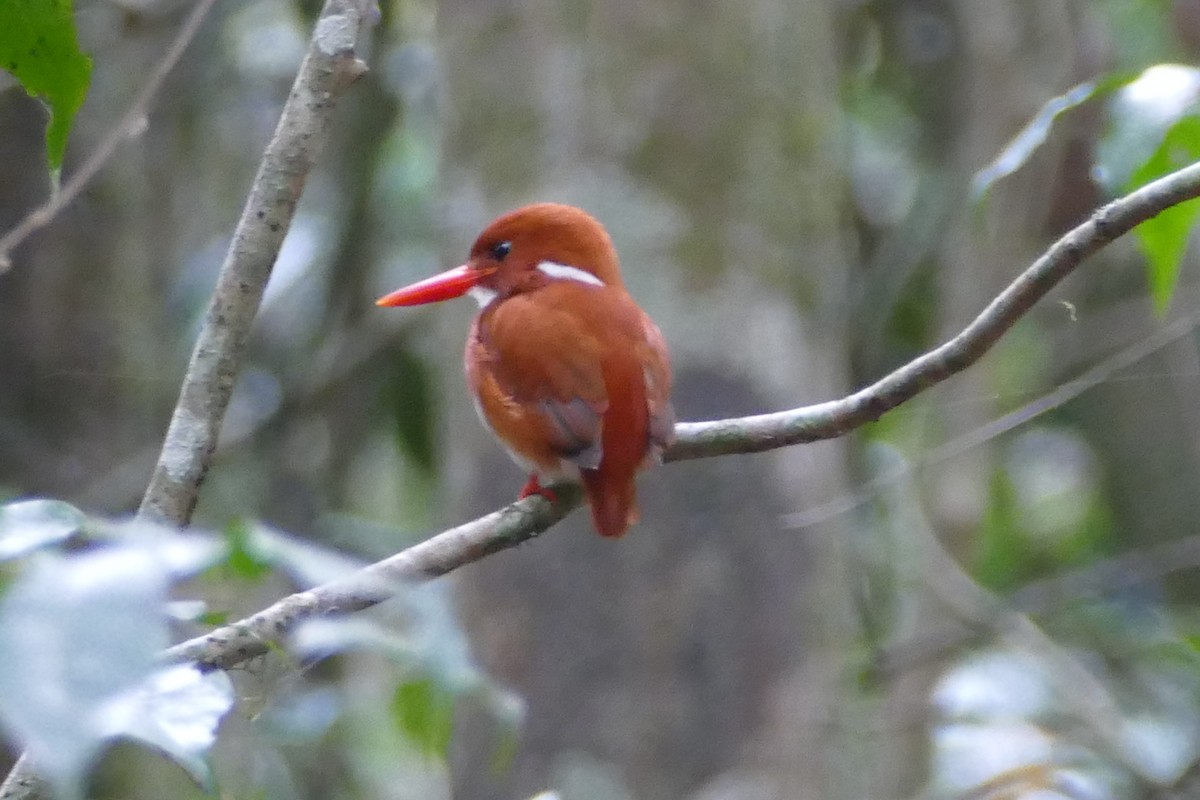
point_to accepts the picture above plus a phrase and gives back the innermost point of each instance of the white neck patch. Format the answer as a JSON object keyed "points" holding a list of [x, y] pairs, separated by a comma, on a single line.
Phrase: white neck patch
{"points": [[555, 270], [482, 296]]}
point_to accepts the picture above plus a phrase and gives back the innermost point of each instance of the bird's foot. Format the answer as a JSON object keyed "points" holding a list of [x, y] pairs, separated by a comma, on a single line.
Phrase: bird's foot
{"points": [[533, 487]]}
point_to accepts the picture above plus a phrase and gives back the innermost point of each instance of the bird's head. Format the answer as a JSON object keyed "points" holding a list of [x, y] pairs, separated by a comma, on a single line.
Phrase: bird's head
{"points": [[522, 251]]}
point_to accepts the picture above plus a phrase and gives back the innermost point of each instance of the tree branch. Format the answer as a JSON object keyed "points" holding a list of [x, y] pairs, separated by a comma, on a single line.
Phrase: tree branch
{"points": [[328, 67], [836, 418], [525, 519], [233, 644]]}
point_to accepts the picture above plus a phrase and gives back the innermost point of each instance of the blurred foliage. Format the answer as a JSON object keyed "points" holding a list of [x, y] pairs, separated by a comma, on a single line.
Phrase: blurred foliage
{"points": [[33, 524], [38, 46], [1045, 511], [426, 713], [1165, 238], [411, 401], [1147, 28], [88, 625], [791, 189], [1017, 152], [1153, 130], [89, 620]]}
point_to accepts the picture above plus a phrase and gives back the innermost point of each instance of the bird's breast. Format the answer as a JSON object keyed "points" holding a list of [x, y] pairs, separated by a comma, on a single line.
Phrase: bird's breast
{"points": [[552, 370]]}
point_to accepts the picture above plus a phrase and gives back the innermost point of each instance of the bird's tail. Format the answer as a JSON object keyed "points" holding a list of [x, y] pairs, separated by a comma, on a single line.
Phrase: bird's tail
{"points": [[613, 501]]}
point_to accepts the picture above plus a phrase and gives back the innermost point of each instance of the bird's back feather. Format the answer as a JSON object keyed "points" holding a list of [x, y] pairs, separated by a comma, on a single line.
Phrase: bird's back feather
{"points": [[575, 375]]}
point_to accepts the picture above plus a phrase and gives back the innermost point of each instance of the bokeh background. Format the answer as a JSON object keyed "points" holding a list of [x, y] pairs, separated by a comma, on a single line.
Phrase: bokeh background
{"points": [[939, 605]]}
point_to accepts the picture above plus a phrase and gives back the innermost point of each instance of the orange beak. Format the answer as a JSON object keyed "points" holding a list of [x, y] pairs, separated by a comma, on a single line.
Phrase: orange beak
{"points": [[444, 286]]}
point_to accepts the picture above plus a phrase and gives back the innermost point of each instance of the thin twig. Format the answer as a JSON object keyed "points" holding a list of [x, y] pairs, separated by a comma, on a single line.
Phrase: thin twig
{"points": [[233, 644], [1103, 578], [132, 121], [1054, 399]]}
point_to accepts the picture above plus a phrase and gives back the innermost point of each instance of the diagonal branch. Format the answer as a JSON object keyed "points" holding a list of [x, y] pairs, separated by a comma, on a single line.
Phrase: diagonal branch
{"points": [[830, 420], [232, 644], [522, 521], [328, 67]]}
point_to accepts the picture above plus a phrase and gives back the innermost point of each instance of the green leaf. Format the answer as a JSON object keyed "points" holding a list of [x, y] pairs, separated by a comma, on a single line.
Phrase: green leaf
{"points": [[425, 712], [80, 630], [197, 612], [77, 631], [259, 548], [320, 638], [30, 525], [409, 394], [244, 560], [175, 710], [213, 618], [302, 716], [38, 46], [1163, 239], [1139, 116]]}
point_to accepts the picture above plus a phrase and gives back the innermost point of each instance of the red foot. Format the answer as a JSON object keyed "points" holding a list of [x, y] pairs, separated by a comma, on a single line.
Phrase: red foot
{"points": [[533, 487]]}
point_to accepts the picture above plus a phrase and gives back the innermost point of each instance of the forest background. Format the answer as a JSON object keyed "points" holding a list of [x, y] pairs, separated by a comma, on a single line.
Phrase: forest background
{"points": [[984, 594]]}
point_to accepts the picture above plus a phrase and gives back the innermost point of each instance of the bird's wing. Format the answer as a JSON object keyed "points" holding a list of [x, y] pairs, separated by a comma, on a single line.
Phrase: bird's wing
{"points": [[658, 389], [539, 369]]}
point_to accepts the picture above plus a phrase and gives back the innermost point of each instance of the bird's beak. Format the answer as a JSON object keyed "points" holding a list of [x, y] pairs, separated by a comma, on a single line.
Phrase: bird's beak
{"points": [[444, 286]]}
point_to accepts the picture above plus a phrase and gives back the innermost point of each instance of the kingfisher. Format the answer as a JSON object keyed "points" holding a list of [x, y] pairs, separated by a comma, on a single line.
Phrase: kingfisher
{"points": [[567, 371]]}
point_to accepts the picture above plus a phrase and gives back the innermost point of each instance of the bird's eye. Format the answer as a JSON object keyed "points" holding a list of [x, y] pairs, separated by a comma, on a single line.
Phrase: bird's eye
{"points": [[501, 250]]}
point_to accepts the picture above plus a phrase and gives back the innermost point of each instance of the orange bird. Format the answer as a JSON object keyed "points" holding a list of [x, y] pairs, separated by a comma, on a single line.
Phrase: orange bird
{"points": [[566, 370]]}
